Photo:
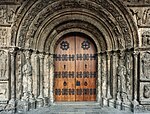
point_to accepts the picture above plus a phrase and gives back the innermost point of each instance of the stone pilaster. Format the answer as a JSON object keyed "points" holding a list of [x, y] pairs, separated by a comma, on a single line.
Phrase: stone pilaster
{"points": [[103, 79], [51, 62], [99, 94]]}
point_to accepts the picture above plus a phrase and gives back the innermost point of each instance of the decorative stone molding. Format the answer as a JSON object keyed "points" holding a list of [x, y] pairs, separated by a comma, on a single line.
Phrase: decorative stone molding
{"points": [[123, 66], [111, 8]]}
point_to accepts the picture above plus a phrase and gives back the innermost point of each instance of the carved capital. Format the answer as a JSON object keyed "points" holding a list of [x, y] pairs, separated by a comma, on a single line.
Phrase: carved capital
{"points": [[42, 56]]}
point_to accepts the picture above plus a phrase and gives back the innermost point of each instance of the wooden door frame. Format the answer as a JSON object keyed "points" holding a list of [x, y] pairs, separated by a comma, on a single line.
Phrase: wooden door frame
{"points": [[98, 83]]}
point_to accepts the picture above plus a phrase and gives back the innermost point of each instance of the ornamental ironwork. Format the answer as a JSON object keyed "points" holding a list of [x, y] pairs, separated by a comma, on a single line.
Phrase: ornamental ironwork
{"points": [[64, 45], [85, 45]]}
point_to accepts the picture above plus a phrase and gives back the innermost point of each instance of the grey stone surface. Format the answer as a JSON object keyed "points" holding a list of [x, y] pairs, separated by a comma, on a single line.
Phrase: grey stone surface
{"points": [[79, 109], [30, 29]]}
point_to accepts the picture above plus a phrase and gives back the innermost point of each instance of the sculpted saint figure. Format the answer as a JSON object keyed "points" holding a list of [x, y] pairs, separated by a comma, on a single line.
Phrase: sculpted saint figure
{"points": [[27, 76]]}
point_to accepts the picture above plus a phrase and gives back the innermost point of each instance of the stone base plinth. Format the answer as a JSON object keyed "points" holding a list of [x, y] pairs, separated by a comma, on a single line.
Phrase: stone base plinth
{"points": [[39, 102]]}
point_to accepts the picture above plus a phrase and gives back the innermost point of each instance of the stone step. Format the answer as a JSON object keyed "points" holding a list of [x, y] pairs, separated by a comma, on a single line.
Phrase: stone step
{"points": [[78, 109], [69, 109]]}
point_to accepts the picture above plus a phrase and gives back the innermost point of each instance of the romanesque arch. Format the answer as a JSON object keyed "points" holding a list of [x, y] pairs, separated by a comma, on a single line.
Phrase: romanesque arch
{"points": [[38, 26]]}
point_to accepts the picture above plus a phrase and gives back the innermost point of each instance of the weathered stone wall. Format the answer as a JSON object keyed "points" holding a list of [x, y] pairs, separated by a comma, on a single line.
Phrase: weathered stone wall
{"points": [[140, 11], [29, 30]]}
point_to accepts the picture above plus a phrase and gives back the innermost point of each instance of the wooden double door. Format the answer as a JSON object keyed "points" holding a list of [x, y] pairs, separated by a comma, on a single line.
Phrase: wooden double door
{"points": [[75, 69]]}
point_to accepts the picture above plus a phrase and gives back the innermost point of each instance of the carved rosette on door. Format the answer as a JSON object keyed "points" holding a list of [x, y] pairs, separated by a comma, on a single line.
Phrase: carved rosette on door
{"points": [[75, 69]]}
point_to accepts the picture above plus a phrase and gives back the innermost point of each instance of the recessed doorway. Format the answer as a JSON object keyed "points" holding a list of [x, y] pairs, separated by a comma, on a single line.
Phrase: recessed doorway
{"points": [[75, 72]]}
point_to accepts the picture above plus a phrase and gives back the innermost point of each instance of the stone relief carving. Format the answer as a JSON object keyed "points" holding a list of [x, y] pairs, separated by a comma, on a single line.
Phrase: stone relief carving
{"points": [[146, 91], [121, 77], [47, 12], [123, 80], [3, 91], [137, 1], [7, 14], [3, 14], [3, 66], [146, 16], [3, 36], [11, 15], [141, 15], [145, 66], [27, 79], [146, 38]]}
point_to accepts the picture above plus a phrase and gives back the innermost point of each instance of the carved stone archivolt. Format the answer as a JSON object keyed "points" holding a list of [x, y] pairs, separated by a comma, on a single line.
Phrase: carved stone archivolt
{"points": [[36, 26], [44, 14]]}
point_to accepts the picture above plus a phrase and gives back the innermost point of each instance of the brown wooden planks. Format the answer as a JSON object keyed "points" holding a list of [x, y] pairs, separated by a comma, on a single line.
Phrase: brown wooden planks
{"points": [[75, 70]]}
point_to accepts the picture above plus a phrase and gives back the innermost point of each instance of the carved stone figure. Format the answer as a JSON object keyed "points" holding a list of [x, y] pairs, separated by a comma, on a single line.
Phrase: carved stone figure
{"points": [[27, 77], [2, 14], [146, 65], [121, 77], [3, 91], [146, 38], [146, 91], [11, 15], [122, 89], [3, 62], [3, 36]]}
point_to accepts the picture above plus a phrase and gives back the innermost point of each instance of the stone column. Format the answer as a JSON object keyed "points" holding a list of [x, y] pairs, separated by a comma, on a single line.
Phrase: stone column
{"points": [[40, 100], [37, 74], [108, 63], [51, 62], [135, 74], [46, 79], [111, 79], [103, 79], [119, 81], [114, 68], [99, 96], [12, 102]]}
